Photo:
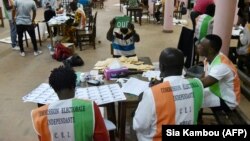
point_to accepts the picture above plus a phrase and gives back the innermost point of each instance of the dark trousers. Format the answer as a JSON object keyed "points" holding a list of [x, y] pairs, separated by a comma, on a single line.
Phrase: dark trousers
{"points": [[193, 16], [31, 31]]}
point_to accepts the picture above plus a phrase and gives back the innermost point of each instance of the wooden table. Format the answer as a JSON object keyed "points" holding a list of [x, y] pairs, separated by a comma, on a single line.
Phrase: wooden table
{"points": [[135, 11], [131, 102]]}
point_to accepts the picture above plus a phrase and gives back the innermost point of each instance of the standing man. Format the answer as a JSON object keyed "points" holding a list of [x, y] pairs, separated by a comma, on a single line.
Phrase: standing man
{"points": [[24, 22], [9, 4], [174, 101], [199, 8]]}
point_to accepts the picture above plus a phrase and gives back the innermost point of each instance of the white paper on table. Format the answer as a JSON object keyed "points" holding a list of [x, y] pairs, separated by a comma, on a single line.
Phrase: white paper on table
{"points": [[152, 74], [135, 86], [44, 94], [236, 31]]}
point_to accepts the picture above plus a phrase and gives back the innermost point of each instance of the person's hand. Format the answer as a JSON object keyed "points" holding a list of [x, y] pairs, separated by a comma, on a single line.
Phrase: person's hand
{"points": [[14, 20], [112, 23], [131, 26]]}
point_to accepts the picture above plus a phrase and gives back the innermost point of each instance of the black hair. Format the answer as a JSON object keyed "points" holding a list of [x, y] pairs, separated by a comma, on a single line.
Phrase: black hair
{"points": [[210, 10], [62, 78], [73, 5], [171, 62], [214, 41]]}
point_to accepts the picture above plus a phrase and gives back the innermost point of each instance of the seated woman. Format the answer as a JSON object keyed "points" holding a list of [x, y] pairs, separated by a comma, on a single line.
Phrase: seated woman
{"points": [[77, 23]]}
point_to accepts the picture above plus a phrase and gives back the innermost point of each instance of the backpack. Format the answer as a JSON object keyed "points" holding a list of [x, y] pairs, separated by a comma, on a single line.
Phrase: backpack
{"points": [[61, 52], [73, 61]]}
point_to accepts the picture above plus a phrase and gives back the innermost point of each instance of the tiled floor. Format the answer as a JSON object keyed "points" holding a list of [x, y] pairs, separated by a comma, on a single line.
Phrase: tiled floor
{"points": [[19, 75]]}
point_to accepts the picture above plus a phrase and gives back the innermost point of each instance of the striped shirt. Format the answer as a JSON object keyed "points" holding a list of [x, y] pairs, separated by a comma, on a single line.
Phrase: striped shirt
{"points": [[23, 9], [71, 120], [123, 45], [204, 26], [228, 85], [175, 101]]}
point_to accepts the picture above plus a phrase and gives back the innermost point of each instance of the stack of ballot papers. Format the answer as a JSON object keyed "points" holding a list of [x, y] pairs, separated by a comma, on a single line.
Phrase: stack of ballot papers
{"points": [[129, 62], [44, 94]]}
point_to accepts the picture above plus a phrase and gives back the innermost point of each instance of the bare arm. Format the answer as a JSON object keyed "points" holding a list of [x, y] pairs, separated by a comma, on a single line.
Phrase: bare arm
{"points": [[110, 35], [14, 14], [208, 81], [136, 37], [33, 16]]}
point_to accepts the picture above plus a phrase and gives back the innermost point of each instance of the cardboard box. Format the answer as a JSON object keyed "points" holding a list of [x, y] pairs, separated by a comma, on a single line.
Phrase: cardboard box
{"points": [[115, 73]]}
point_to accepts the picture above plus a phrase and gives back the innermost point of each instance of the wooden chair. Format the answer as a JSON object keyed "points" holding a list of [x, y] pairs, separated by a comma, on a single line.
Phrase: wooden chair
{"points": [[87, 35], [145, 11], [99, 3], [123, 2]]}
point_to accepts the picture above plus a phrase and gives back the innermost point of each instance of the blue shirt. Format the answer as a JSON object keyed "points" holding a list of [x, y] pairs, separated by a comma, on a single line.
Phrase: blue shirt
{"points": [[23, 9]]}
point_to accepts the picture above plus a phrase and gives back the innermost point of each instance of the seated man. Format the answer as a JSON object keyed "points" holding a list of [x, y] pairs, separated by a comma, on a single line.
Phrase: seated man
{"points": [[159, 10], [69, 118], [48, 14], [134, 4], [174, 101], [123, 39], [221, 77], [79, 22]]}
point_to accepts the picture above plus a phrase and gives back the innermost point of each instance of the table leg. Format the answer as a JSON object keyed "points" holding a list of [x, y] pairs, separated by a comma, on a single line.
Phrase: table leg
{"points": [[38, 29], [51, 36], [122, 120], [112, 117], [140, 15]]}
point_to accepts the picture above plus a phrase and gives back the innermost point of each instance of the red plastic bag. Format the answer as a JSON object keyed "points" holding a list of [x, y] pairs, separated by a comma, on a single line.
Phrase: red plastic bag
{"points": [[61, 52]]}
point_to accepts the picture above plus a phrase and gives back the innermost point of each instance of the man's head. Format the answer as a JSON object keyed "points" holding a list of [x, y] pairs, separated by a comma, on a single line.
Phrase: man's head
{"points": [[63, 79], [73, 5], [209, 45], [48, 6], [171, 62], [210, 10], [130, 27]]}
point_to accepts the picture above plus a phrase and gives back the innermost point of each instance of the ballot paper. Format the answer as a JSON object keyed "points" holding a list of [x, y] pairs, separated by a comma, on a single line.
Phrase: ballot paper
{"points": [[152, 74], [44, 94], [135, 86], [236, 30]]}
